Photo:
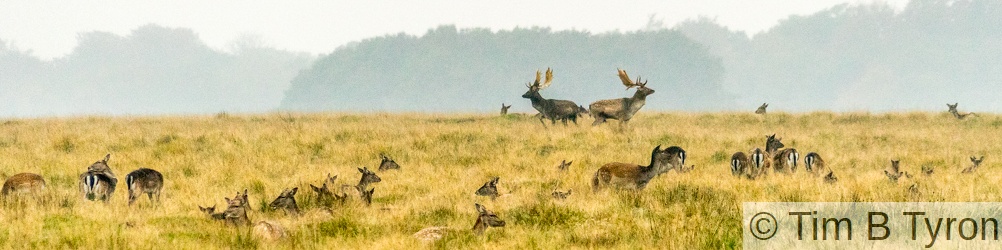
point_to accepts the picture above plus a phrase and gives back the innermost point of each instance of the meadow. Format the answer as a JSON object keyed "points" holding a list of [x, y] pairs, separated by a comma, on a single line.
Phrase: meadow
{"points": [[444, 158]]}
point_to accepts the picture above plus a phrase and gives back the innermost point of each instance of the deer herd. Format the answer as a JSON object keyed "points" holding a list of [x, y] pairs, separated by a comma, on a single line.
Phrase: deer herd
{"points": [[98, 182]]}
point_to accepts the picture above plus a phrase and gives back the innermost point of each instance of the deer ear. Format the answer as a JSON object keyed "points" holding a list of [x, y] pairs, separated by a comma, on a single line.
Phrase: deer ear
{"points": [[227, 199], [106, 158], [569, 163], [294, 190], [315, 188], [361, 170], [480, 208]]}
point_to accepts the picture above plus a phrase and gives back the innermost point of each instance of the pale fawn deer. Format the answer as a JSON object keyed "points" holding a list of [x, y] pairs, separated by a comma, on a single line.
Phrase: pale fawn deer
{"points": [[631, 176], [23, 183]]}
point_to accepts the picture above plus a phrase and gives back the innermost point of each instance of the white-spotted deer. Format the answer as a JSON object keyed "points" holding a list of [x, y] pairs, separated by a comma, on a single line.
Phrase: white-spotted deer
{"points": [[631, 176], [98, 183], [144, 180], [975, 162], [23, 183], [552, 109], [622, 109]]}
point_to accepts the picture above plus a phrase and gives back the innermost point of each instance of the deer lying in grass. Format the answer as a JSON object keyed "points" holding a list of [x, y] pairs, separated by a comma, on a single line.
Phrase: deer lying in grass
{"points": [[270, 230], [485, 219], [368, 177], [632, 176], [98, 183], [953, 111], [975, 162], [386, 163], [830, 177], [23, 183], [287, 202], [927, 170], [564, 165], [621, 109], [561, 195], [489, 189], [365, 196], [325, 197], [552, 109], [761, 109], [144, 180], [210, 213], [236, 210], [894, 172]]}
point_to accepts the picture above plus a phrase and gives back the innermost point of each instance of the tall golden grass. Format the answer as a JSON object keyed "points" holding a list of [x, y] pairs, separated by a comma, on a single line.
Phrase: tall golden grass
{"points": [[445, 158]]}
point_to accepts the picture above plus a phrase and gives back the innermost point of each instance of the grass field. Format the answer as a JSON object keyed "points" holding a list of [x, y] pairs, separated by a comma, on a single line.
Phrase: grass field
{"points": [[445, 158]]}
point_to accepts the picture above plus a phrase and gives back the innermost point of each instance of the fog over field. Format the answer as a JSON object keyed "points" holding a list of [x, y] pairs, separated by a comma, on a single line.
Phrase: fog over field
{"points": [[858, 56]]}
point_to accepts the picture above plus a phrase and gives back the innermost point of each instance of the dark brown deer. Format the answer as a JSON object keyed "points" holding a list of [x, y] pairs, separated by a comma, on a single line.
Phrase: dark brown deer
{"points": [[739, 165], [489, 189], [552, 109], [485, 219], [761, 109], [632, 176], [210, 212], [287, 202], [564, 165], [894, 172], [144, 180], [325, 197], [957, 114], [98, 183], [504, 109], [814, 164], [621, 109], [387, 163], [23, 183], [236, 210], [975, 162], [366, 196]]}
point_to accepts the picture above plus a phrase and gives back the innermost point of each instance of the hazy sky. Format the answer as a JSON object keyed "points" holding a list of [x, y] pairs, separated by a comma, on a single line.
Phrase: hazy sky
{"points": [[49, 28]]}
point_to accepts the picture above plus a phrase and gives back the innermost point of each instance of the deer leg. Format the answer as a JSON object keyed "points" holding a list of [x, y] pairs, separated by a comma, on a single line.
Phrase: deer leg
{"points": [[599, 119]]}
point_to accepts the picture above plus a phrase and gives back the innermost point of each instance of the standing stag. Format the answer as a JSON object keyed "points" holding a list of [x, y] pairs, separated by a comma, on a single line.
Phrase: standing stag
{"points": [[549, 108], [621, 109], [957, 114], [144, 180], [626, 175], [98, 183], [761, 109]]}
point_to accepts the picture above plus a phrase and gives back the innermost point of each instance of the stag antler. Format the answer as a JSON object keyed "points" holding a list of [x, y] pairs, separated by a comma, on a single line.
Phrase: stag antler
{"points": [[627, 82], [549, 79]]}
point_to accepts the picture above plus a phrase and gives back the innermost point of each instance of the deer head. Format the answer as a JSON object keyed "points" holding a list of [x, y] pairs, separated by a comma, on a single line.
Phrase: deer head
{"points": [[642, 89], [772, 143], [387, 163], [485, 219], [504, 109], [101, 166], [207, 210], [536, 86], [953, 108], [286, 201], [368, 177], [489, 189]]}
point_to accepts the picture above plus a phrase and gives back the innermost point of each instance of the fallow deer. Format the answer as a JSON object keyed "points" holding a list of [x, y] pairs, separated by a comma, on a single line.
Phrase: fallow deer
{"points": [[625, 175], [236, 210], [552, 109], [761, 109], [927, 170], [98, 183], [485, 219], [210, 212], [739, 165], [814, 164], [761, 161], [489, 189], [557, 194], [957, 114], [975, 162], [676, 160], [387, 163], [23, 183], [365, 196], [894, 172], [784, 159], [287, 202], [622, 109], [269, 231], [830, 177], [325, 197], [144, 180], [368, 177], [504, 109], [564, 165]]}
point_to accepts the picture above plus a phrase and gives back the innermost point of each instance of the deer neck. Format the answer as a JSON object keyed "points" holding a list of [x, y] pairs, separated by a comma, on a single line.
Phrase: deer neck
{"points": [[769, 149], [649, 172], [480, 226]]}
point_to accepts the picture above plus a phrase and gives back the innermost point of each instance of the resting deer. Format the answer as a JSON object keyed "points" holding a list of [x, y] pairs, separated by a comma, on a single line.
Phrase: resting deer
{"points": [[564, 165], [957, 114], [144, 180], [489, 189], [561, 195], [814, 164], [485, 219], [761, 109], [366, 196], [98, 183], [621, 109], [625, 175], [236, 210], [210, 212], [830, 177], [927, 170], [975, 162], [504, 109], [368, 177], [387, 163], [894, 172], [287, 202], [23, 183], [549, 108], [325, 197]]}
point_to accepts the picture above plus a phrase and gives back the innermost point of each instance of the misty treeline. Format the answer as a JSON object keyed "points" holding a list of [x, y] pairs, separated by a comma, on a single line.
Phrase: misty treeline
{"points": [[153, 70], [845, 58]]}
